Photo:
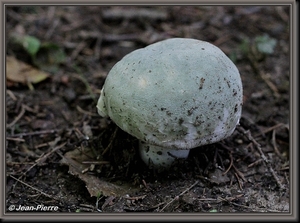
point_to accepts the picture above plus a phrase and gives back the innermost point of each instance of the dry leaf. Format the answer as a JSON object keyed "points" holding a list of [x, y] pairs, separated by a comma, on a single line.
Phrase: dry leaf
{"points": [[75, 160], [96, 186], [20, 72]]}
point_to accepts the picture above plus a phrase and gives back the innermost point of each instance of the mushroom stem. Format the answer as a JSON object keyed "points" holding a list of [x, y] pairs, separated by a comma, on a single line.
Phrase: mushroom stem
{"points": [[160, 157]]}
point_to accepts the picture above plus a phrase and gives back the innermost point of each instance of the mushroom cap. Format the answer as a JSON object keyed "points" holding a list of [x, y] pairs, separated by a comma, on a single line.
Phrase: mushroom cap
{"points": [[178, 93]]}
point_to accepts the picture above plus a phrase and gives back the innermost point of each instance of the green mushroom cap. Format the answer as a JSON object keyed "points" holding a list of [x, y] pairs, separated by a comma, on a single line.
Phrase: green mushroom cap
{"points": [[179, 93]]}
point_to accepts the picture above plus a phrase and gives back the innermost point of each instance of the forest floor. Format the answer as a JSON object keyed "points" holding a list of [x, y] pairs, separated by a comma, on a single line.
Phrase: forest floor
{"points": [[60, 152]]}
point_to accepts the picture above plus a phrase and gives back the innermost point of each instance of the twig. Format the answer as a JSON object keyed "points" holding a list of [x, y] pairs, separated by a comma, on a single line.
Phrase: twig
{"points": [[145, 184], [230, 165], [270, 129], [262, 155], [265, 77], [86, 207], [86, 112], [11, 94], [176, 197], [282, 14], [78, 49], [43, 193], [19, 163], [130, 13], [239, 173], [102, 162], [43, 157], [276, 150], [272, 86], [238, 180], [255, 163], [135, 198], [111, 141], [157, 205], [34, 133], [15, 139], [17, 118], [88, 88]]}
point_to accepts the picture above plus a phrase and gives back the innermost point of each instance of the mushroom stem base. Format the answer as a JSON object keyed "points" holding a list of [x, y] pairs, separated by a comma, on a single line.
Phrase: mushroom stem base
{"points": [[160, 157]]}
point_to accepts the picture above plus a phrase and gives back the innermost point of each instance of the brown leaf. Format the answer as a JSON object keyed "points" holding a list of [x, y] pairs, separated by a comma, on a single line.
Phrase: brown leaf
{"points": [[75, 160], [20, 72], [97, 186]]}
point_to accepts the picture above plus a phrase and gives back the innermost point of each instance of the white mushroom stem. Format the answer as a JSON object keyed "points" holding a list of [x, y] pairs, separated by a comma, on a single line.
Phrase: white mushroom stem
{"points": [[160, 157]]}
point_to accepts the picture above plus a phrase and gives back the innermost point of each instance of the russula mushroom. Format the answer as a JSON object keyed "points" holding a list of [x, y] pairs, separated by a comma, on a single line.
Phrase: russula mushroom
{"points": [[173, 95]]}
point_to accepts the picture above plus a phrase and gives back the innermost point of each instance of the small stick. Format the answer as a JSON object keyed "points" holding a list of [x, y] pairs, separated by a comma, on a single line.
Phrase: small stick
{"points": [[230, 165], [270, 129], [238, 180], [276, 150], [102, 162], [11, 94], [111, 141], [262, 155], [145, 184], [135, 198], [239, 173], [254, 163], [15, 139], [43, 193], [176, 197], [272, 86], [17, 118], [43, 157], [34, 133], [86, 112], [265, 77]]}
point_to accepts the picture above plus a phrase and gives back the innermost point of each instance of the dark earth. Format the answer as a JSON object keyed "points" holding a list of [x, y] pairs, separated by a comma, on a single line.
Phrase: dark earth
{"points": [[60, 152]]}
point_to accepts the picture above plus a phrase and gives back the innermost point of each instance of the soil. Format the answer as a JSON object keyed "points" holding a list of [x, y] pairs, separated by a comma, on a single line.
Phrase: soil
{"points": [[60, 152]]}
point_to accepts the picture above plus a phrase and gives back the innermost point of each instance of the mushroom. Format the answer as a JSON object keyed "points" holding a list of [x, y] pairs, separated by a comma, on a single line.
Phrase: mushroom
{"points": [[173, 95]]}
